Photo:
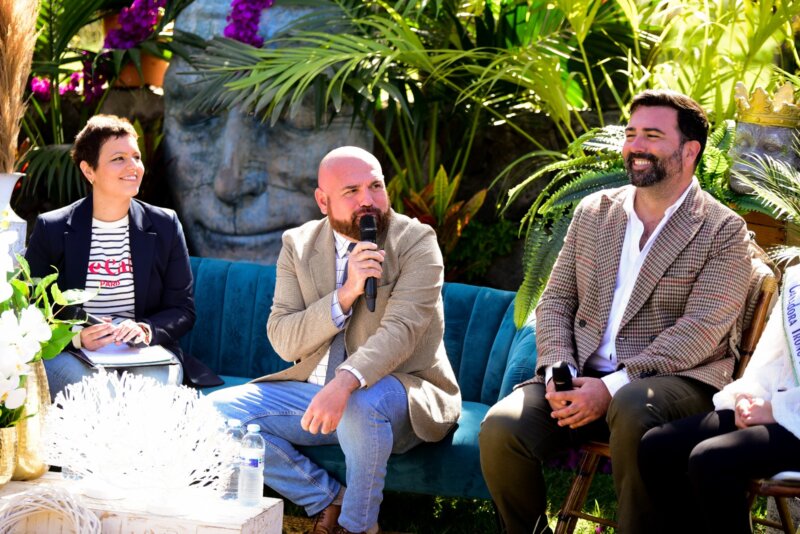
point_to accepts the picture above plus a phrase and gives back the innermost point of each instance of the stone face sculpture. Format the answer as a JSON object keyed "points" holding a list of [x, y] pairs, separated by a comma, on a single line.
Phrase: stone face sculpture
{"points": [[765, 127], [239, 183]]}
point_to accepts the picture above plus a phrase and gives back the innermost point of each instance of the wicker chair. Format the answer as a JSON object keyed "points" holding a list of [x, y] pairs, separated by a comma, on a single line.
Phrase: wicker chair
{"points": [[593, 451]]}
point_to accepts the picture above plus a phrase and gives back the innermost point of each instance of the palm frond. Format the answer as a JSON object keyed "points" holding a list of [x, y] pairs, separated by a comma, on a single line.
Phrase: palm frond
{"points": [[53, 165], [776, 184], [784, 255], [541, 251]]}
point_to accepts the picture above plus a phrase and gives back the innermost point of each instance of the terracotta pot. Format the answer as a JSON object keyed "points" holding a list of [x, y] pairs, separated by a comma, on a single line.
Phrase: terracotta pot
{"points": [[30, 446], [153, 68], [8, 453]]}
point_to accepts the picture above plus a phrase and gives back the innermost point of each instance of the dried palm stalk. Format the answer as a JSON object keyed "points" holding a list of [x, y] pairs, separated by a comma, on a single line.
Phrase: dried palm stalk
{"points": [[17, 40]]}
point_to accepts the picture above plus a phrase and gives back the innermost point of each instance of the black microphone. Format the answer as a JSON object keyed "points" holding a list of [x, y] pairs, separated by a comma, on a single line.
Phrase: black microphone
{"points": [[369, 232]]}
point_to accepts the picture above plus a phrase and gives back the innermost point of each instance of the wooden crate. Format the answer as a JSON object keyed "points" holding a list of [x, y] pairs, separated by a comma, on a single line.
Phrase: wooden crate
{"points": [[207, 516], [770, 232]]}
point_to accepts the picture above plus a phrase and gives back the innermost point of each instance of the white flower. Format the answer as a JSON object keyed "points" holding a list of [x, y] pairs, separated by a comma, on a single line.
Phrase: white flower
{"points": [[15, 398], [34, 325], [9, 391], [18, 340], [12, 362]]}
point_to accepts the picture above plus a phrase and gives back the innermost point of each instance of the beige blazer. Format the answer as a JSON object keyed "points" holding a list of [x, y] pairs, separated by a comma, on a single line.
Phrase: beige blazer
{"points": [[686, 300], [402, 337]]}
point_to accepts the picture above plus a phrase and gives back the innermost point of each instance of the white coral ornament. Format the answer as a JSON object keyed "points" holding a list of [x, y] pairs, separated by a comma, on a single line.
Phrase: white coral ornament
{"points": [[131, 436]]}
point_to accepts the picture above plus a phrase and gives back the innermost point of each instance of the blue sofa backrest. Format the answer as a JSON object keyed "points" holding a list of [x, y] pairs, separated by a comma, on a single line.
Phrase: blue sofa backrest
{"points": [[233, 301]]}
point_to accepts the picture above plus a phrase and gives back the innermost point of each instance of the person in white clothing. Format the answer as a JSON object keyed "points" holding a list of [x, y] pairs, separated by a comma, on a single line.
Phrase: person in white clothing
{"points": [[698, 469]]}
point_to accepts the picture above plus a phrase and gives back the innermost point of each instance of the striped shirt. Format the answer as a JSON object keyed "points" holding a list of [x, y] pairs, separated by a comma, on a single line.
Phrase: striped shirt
{"points": [[110, 270]]}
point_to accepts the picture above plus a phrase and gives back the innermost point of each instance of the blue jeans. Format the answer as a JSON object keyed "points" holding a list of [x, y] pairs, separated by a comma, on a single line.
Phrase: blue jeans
{"points": [[374, 425], [66, 369]]}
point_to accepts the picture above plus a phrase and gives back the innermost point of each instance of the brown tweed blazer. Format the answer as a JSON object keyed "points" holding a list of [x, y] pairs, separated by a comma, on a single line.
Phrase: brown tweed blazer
{"points": [[403, 337], [689, 293]]}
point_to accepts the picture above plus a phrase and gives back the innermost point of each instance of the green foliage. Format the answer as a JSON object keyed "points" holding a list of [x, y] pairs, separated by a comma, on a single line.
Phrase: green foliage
{"points": [[480, 244], [437, 206], [706, 47], [776, 187], [541, 251]]}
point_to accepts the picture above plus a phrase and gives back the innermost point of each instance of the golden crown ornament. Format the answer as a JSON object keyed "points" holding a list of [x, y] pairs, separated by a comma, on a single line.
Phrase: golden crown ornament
{"points": [[759, 109]]}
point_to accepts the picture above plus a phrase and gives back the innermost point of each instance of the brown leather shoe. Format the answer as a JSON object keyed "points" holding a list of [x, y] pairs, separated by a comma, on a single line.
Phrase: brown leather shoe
{"points": [[327, 521]]}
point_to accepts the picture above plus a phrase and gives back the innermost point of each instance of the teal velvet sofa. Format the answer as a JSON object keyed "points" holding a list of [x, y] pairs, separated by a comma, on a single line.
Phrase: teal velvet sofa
{"points": [[488, 354]]}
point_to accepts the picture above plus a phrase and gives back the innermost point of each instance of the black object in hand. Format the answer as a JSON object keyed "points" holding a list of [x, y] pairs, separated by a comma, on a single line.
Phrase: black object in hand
{"points": [[369, 232], [562, 377], [77, 313]]}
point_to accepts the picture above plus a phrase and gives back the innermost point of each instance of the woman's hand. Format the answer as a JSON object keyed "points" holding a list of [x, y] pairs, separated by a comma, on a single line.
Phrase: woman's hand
{"points": [[129, 331], [752, 411], [98, 336]]}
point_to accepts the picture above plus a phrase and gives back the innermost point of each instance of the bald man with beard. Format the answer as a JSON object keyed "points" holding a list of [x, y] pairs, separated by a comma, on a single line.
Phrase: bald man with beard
{"points": [[394, 389]]}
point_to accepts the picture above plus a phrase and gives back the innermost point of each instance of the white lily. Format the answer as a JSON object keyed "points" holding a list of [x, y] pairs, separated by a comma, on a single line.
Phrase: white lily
{"points": [[15, 398], [34, 325]]}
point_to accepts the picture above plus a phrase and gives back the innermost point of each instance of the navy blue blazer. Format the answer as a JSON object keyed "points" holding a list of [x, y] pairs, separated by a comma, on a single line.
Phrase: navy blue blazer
{"points": [[162, 275]]}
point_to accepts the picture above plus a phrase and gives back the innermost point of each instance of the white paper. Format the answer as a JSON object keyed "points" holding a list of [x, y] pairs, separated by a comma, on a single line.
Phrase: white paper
{"points": [[123, 355]]}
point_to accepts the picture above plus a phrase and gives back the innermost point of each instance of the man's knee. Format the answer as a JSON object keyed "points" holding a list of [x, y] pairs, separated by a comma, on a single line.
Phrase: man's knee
{"points": [[632, 410], [497, 429], [521, 421], [384, 402]]}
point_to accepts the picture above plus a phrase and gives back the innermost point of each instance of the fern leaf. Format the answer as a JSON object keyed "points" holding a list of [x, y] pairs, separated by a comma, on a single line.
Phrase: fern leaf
{"points": [[584, 185], [541, 250]]}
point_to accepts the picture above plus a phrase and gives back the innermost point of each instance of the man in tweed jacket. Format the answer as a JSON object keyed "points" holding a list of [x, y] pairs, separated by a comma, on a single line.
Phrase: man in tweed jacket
{"points": [[396, 387], [640, 305]]}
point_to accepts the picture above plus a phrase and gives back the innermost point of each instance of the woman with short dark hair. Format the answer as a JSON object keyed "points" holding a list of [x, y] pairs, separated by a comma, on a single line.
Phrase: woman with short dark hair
{"points": [[132, 254]]}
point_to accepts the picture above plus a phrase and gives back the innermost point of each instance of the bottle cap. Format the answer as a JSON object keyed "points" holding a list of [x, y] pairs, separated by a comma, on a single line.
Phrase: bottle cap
{"points": [[233, 423], [252, 427]]}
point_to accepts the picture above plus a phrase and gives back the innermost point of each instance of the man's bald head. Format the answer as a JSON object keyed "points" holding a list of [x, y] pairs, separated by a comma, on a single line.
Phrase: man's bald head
{"points": [[345, 161], [350, 185]]}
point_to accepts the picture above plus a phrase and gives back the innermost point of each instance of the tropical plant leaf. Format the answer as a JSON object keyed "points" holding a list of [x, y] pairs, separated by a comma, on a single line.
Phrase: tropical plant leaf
{"points": [[776, 184], [53, 165], [541, 251]]}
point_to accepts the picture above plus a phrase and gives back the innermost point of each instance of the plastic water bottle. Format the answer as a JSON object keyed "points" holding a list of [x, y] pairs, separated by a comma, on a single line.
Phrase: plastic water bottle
{"points": [[236, 432], [251, 471]]}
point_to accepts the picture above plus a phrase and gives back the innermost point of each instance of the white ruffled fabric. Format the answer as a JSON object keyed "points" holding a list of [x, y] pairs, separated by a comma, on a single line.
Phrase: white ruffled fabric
{"points": [[769, 375]]}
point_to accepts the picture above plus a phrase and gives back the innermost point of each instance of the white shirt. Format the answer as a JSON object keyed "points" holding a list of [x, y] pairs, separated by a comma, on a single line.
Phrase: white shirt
{"points": [[630, 264], [338, 317]]}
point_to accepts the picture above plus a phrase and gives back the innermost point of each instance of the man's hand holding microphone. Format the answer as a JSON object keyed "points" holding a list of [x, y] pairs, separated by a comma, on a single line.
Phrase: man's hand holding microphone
{"points": [[364, 267]]}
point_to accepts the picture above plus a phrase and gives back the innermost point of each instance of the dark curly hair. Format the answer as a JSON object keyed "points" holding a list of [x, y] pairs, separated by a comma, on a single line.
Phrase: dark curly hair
{"points": [[97, 131]]}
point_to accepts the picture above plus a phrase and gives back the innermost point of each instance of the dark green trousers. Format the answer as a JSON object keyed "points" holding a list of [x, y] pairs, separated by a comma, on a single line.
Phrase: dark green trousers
{"points": [[518, 435]]}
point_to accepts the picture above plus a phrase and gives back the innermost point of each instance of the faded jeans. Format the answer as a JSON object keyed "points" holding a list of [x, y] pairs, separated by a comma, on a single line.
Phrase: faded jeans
{"points": [[67, 369], [374, 425]]}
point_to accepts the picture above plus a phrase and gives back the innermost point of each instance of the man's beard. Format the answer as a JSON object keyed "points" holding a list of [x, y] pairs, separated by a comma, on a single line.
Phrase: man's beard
{"points": [[656, 173], [352, 229]]}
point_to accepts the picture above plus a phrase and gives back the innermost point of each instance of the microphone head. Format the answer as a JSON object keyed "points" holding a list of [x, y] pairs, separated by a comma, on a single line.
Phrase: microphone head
{"points": [[369, 230]]}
